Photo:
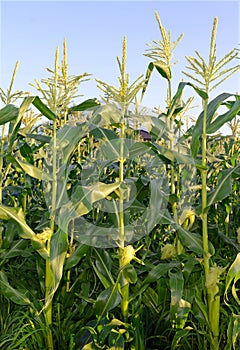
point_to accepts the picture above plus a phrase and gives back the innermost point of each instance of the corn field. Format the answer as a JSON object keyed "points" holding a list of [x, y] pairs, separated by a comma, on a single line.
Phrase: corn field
{"points": [[120, 226]]}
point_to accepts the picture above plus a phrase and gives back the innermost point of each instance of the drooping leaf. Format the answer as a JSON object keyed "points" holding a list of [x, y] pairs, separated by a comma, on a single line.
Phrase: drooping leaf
{"points": [[17, 248], [46, 112], [178, 336], [177, 97], [190, 240], [158, 271], [107, 300], [85, 105], [85, 196], [58, 250], [179, 308], [102, 133], [67, 139], [223, 188], [17, 215], [224, 118], [40, 138], [233, 332], [233, 275], [32, 170], [8, 113], [18, 297], [162, 68], [76, 256]]}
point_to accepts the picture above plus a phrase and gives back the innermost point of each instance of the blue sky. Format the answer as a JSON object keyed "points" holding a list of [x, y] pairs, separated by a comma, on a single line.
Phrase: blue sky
{"points": [[94, 30]]}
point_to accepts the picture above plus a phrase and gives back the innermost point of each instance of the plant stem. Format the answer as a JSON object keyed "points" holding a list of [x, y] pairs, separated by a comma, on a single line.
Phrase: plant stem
{"points": [[48, 272], [204, 192], [125, 284], [213, 305]]}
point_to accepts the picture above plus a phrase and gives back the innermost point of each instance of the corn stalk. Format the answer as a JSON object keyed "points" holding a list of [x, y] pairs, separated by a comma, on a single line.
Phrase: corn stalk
{"points": [[209, 72]]}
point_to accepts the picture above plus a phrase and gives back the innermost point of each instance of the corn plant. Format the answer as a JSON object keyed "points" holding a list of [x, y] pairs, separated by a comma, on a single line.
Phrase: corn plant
{"points": [[211, 75]]}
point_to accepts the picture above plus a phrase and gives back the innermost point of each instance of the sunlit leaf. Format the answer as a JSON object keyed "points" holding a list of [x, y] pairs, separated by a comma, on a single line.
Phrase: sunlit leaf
{"points": [[85, 105], [233, 275], [46, 112], [17, 215], [8, 113]]}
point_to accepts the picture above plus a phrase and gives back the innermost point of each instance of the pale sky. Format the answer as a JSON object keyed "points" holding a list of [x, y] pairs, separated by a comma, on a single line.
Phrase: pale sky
{"points": [[94, 30]]}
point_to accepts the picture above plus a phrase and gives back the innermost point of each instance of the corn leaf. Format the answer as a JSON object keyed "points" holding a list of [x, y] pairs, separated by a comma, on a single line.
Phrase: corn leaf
{"points": [[211, 111], [223, 188], [158, 271], [233, 275], [76, 256], [18, 297], [58, 250], [224, 118], [86, 105], [32, 170], [177, 97], [107, 300], [233, 332], [87, 195], [179, 308], [103, 266], [16, 214], [8, 113], [45, 111]]}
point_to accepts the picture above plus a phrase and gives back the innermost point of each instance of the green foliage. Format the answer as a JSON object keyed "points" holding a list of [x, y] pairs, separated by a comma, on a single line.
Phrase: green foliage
{"points": [[112, 241]]}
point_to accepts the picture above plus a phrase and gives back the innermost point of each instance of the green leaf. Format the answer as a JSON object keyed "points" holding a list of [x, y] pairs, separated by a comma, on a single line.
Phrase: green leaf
{"points": [[233, 332], [32, 170], [11, 293], [87, 195], [103, 266], [106, 115], [58, 250], [76, 256], [17, 215], [45, 111], [233, 275], [177, 97], [179, 308], [130, 274], [158, 271], [174, 156], [107, 300], [18, 248], [224, 118], [40, 138], [101, 133], [190, 240], [67, 139], [223, 188], [211, 112], [177, 338], [8, 113], [86, 105], [162, 68]]}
